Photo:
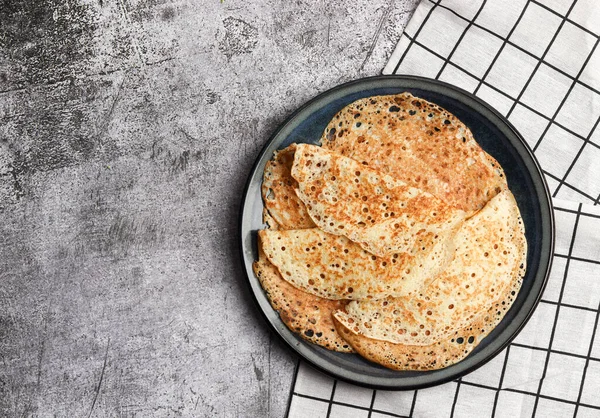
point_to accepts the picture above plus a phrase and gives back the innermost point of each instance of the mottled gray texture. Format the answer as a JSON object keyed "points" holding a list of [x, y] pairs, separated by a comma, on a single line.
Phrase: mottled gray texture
{"points": [[127, 130]]}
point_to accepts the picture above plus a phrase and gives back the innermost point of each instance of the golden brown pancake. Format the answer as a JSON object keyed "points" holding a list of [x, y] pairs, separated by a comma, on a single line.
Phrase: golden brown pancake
{"points": [[490, 255], [278, 192], [368, 247], [333, 267], [419, 143], [268, 220], [307, 315], [441, 354], [381, 214]]}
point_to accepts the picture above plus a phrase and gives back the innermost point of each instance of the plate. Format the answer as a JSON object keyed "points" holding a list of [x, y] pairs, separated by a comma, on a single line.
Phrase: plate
{"points": [[496, 136]]}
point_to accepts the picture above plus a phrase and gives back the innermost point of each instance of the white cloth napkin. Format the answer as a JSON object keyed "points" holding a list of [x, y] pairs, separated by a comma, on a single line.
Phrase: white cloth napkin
{"points": [[538, 63]]}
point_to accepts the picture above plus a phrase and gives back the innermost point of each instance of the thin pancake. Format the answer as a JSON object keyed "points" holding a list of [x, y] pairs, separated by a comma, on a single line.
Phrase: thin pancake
{"points": [[333, 267], [269, 221], [279, 196], [383, 215], [419, 143], [305, 314], [443, 353], [490, 254]]}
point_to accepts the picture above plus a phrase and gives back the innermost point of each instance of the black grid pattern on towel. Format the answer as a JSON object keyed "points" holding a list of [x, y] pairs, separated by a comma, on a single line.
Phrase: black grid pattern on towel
{"points": [[316, 395]]}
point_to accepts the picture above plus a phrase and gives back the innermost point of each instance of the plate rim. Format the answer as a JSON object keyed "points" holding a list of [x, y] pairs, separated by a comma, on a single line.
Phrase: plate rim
{"points": [[545, 206]]}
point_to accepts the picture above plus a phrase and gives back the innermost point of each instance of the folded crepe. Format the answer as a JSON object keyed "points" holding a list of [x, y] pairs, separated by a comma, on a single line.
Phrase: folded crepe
{"points": [[417, 296], [465, 301], [441, 354], [419, 143], [282, 207], [380, 213], [307, 315], [333, 267]]}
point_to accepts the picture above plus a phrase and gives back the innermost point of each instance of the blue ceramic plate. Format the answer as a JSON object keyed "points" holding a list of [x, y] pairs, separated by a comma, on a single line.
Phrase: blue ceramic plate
{"points": [[498, 137]]}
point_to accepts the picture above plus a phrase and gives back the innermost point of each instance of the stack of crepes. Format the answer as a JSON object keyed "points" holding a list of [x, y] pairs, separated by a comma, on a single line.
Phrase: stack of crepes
{"points": [[397, 238]]}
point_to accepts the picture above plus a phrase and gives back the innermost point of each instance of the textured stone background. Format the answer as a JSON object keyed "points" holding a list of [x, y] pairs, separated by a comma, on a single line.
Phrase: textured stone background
{"points": [[127, 130]]}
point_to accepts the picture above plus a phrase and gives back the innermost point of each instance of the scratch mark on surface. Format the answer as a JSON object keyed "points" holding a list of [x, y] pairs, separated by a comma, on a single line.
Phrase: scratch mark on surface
{"points": [[205, 404], [258, 372], [328, 29], [70, 79], [112, 109], [101, 378], [41, 353], [150, 64], [13, 90], [205, 350], [189, 137], [376, 35], [156, 150], [180, 162], [134, 42], [42, 349], [64, 80], [240, 145], [225, 304]]}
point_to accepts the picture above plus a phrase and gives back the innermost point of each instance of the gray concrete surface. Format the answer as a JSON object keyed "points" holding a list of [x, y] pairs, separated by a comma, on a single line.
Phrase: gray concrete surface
{"points": [[127, 130]]}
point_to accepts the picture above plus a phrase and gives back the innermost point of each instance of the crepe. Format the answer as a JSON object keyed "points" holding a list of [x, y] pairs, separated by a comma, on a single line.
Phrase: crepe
{"points": [[282, 205], [441, 354], [269, 221], [305, 314], [333, 267], [383, 215], [398, 239], [419, 143], [490, 256]]}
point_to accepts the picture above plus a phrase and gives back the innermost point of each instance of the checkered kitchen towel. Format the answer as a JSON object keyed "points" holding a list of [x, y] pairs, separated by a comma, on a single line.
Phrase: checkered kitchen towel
{"points": [[538, 63]]}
